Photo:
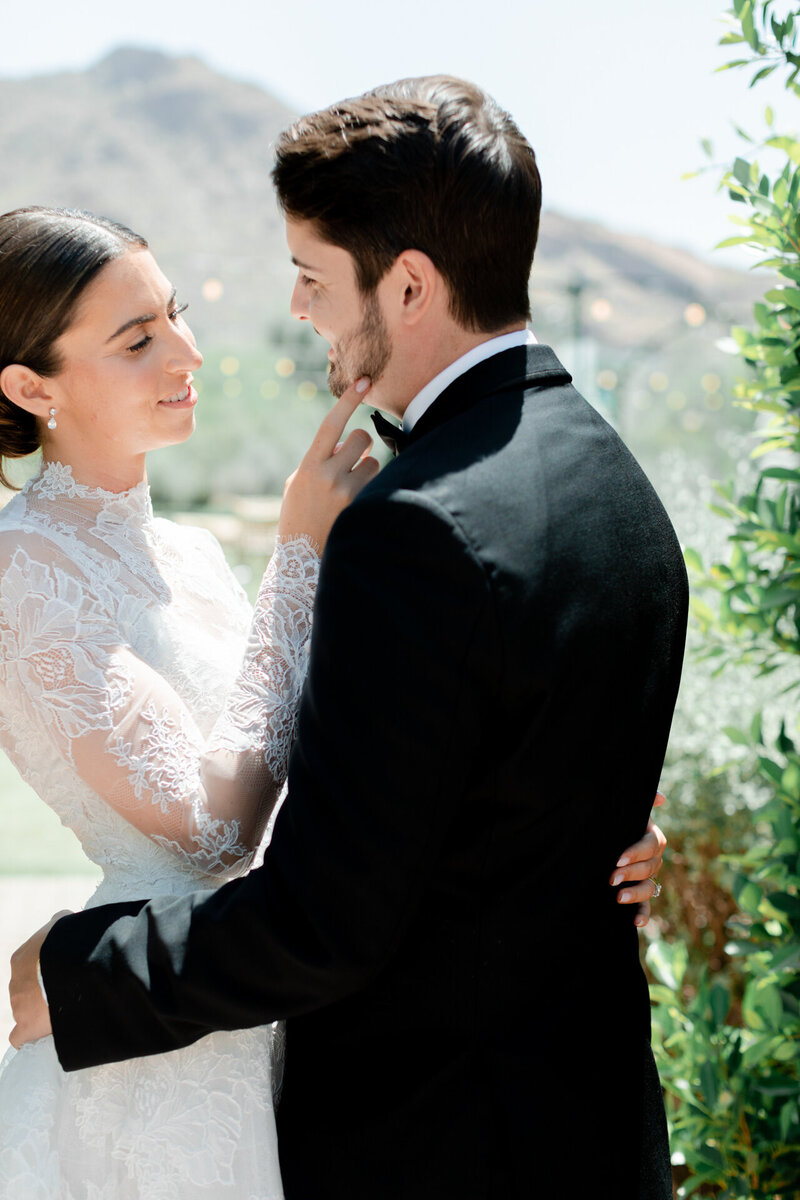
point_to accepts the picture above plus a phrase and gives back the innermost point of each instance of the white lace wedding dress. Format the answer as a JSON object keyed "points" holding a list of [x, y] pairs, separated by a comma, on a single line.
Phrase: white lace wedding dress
{"points": [[151, 709]]}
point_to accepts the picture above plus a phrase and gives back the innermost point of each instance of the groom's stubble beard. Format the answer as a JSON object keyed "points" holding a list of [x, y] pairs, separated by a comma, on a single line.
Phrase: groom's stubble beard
{"points": [[365, 352]]}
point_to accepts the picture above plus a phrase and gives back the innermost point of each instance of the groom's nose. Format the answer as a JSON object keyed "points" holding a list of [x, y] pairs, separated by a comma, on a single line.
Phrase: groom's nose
{"points": [[299, 303]]}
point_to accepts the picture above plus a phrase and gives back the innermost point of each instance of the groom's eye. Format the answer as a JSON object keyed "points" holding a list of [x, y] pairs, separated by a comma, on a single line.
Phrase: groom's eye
{"points": [[307, 281]]}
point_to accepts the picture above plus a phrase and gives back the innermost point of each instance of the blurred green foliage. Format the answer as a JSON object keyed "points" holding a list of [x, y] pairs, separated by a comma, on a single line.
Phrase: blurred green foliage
{"points": [[258, 409], [727, 1011]]}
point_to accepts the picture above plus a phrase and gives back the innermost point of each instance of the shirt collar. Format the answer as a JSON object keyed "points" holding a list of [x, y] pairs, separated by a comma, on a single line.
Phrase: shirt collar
{"points": [[424, 399]]}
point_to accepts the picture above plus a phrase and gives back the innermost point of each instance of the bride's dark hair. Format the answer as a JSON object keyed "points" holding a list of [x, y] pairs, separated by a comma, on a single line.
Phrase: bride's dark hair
{"points": [[48, 256]]}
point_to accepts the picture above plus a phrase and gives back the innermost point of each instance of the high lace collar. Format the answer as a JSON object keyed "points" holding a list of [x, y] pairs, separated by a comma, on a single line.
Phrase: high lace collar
{"points": [[55, 481]]}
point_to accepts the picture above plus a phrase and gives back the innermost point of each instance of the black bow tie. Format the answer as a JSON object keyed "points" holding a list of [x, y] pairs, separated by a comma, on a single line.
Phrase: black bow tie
{"points": [[394, 437]]}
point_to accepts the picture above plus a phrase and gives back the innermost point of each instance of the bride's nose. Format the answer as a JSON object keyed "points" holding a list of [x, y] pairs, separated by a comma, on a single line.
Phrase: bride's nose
{"points": [[184, 355]]}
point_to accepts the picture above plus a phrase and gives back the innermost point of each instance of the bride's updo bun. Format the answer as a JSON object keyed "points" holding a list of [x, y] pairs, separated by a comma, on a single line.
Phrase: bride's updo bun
{"points": [[48, 256]]}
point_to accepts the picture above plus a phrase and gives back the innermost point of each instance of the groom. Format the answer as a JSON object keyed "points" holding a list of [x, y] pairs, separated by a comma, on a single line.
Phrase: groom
{"points": [[459, 1027]]}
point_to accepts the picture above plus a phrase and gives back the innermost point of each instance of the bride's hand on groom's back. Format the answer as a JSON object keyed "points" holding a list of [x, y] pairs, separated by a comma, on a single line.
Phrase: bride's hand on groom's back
{"points": [[330, 475], [638, 867]]}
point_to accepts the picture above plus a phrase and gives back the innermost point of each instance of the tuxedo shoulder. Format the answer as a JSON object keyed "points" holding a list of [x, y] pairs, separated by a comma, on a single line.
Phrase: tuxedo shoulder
{"points": [[531, 474], [419, 515], [401, 547], [527, 444]]}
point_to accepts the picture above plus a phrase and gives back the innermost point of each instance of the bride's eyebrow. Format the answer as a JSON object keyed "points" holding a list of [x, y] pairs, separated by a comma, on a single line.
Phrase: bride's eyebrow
{"points": [[143, 320]]}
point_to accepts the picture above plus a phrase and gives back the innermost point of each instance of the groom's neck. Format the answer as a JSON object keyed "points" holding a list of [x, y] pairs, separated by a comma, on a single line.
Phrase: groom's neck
{"points": [[416, 361]]}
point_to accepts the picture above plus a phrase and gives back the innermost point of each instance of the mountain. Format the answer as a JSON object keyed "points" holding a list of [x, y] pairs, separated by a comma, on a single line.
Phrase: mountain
{"points": [[182, 154], [633, 291], [171, 148]]}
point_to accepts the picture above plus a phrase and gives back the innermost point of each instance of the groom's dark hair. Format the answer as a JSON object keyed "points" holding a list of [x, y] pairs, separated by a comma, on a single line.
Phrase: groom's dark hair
{"points": [[431, 164]]}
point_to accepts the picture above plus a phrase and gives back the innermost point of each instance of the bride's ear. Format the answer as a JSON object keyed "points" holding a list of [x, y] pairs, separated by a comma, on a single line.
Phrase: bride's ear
{"points": [[26, 389]]}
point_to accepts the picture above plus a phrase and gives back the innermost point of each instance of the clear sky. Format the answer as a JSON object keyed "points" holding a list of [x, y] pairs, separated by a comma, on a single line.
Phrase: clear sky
{"points": [[613, 95]]}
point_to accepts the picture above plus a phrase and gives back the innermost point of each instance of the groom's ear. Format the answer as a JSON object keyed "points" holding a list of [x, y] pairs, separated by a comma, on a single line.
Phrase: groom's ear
{"points": [[417, 286]]}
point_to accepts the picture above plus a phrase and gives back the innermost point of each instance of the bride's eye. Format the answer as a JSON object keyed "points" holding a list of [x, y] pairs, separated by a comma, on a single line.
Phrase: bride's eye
{"points": [[138, 346], [176, 312]]}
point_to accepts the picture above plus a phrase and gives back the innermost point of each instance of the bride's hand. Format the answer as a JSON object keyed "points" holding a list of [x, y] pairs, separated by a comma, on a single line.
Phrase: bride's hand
{"points": [[330, 474], [638, 866]]}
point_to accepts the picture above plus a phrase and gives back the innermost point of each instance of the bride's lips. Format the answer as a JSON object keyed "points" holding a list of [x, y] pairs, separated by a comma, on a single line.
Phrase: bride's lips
{"points": [[185, 398]]}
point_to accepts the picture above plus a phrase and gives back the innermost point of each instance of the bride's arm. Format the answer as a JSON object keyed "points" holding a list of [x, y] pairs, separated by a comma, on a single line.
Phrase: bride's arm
{"points": [[123, 728], [67, 683], [206, 800]]}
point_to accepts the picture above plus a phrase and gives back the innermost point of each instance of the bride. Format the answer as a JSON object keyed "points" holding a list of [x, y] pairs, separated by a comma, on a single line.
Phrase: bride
{"points": [[139, 694]]}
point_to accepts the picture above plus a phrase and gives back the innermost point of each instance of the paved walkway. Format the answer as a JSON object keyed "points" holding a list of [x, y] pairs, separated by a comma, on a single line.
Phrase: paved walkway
{"points": [[26, 903]]}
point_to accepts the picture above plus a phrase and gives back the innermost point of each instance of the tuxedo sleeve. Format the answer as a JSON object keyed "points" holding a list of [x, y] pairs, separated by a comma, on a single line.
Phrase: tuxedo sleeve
{"points": [[403, 655]]}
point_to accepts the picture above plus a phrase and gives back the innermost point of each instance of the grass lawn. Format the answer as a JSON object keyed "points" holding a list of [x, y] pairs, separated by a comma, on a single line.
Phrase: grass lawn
{"points": [[32, 839]]}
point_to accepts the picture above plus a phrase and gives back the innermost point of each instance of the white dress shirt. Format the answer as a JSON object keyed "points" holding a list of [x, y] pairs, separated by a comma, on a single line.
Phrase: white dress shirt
{"points": [[424, 399]]}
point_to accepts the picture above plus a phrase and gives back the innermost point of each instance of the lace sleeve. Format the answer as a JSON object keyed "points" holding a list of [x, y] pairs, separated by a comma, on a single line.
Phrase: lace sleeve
{"points": [[66, 677]]}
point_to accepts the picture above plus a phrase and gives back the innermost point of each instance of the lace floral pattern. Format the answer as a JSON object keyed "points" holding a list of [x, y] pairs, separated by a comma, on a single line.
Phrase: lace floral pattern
{"points": [[155, 714], [183, 1125], [49, 671], [188, 1123], [167, 764], [282, 610]]}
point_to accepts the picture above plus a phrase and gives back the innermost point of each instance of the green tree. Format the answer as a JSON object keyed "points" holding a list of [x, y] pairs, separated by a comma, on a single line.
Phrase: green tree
{"points": [[729, 1042]]}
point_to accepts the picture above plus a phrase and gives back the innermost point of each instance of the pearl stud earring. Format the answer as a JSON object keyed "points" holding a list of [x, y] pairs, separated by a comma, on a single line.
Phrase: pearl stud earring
{"points": [[52, 423]]}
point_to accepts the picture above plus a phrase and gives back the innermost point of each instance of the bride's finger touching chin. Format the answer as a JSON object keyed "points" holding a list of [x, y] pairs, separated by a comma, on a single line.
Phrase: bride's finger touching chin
{"points": [[330, 475]]}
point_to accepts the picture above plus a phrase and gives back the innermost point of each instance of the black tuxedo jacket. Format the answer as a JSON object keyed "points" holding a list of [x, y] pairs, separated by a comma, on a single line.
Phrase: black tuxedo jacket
{"points": [[497, 646]]}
